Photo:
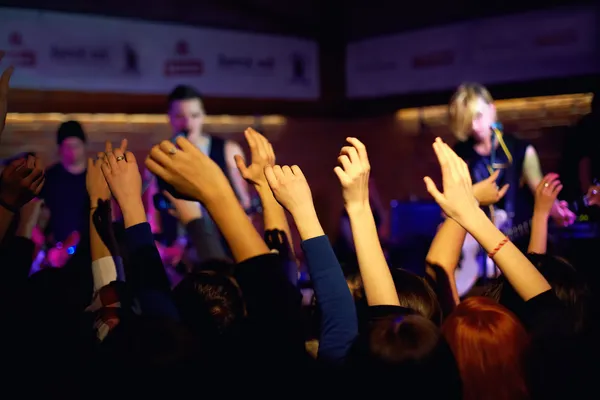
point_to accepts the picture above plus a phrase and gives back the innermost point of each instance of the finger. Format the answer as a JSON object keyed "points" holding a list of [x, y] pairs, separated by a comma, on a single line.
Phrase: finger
{"points": [[12, 167], [270, 154], [342, 176], [123, 146], [169, 196], [250, 138], [441, 156], [157, 169], [173, 213], [351, 153], [108, 148], [503, 191], [297, 171], [36, 186], [493, 176], [564, 204], [552, 186], [262, 145], [361, 149], [187, 146], [118, 153], [453, 161], [556, 190], [111, 158], [278, 173], [270, 176], [241, 165], [90, 164], [106, 171], [130, 158], [287, 171], [167, 147], [159, 157], [344, 161], [30, 162], [433, 190]]}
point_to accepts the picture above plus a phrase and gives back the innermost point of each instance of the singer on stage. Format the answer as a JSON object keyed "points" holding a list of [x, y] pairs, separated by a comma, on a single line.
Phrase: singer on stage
{"points": [[486, 149], [186, 116]]}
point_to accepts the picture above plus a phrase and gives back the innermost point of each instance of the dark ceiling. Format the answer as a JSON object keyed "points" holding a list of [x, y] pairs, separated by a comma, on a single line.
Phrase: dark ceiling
{"points": [[321, 19]]}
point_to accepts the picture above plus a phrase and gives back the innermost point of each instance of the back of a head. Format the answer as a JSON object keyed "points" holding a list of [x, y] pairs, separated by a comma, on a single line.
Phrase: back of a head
{"points": [[407, 347], [415, 293], [462, 103], [567, 283], [488, 341], [210, 303]]}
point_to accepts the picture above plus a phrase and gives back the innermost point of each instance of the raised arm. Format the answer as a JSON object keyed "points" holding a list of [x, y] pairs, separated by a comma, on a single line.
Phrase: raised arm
{"points": [[459, 203], [339, 325], [196, 175], [353, 174], [262, 156], [233, 151], [545, 198]]}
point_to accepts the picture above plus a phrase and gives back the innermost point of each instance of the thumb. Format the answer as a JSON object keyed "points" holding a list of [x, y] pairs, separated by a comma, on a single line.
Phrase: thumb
{"points": [[433, 190], [169, 196], [503, 191], [241, 165], [173, 213], [494, 176]]}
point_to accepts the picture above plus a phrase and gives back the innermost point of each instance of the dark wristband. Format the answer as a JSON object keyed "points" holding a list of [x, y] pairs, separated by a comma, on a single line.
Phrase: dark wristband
{"points": [[10, 208]]}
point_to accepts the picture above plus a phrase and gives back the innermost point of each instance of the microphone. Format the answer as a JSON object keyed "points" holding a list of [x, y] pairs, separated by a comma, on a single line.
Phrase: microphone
{"points": [[184, 133]]}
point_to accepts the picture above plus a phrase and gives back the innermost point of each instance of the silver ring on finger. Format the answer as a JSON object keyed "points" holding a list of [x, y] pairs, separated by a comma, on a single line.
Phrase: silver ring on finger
{"points": [[120, 158], [172, 151]]}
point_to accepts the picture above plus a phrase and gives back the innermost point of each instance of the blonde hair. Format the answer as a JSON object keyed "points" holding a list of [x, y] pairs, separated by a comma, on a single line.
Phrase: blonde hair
{"points": [[462, 108]]}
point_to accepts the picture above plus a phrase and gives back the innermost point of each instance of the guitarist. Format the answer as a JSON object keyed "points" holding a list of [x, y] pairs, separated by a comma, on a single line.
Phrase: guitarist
{"points": [[487, 150]]}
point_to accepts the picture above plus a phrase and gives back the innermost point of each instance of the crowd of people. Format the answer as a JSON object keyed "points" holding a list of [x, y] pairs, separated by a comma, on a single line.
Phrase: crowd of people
{"points": [[113, 318]]}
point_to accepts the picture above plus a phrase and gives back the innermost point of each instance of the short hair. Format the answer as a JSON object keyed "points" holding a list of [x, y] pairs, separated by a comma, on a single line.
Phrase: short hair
{"points": [[415, 293], [488, 341], [184, 92], [460, 111]]}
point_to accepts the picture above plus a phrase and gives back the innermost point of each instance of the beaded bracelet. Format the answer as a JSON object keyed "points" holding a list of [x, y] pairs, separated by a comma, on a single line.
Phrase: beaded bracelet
{"points": [[497, 249]]}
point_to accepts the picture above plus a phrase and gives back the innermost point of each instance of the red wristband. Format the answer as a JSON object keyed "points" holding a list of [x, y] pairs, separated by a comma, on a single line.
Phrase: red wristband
{"points": [[497, 249]]}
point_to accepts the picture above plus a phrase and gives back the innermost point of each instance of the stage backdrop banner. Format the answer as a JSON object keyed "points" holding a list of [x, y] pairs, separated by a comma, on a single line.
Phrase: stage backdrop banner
{"points": [[57, 51], [536, 45]]}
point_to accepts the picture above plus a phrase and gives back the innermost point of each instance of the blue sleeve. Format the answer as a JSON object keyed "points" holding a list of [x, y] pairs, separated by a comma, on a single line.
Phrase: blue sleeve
{"points": [[339, 322], [146, 274]]}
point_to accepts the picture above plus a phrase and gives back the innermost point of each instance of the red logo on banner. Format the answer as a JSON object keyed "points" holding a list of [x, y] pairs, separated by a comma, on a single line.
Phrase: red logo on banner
{"points": [[182, 64], [18, 56]]}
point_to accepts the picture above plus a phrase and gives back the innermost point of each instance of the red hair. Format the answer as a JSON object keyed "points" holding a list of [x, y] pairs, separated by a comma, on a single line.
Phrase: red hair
{"points": [[489, 344]]}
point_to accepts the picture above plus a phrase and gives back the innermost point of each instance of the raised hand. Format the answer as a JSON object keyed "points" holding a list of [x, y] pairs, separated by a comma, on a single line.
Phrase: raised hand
{"points": [[262, 155], [188, 170], [21, 181], [487, 192], [4, 85], [122, 175], [546, 194], [290, 189], [185, 211], [457, 201], [95, 182], [561, 215], [353, 173]]}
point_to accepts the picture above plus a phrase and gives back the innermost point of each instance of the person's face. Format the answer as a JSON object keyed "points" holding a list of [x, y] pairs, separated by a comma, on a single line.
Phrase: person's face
{"points": [[186, 115], [72, 151], [484, 115]]}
